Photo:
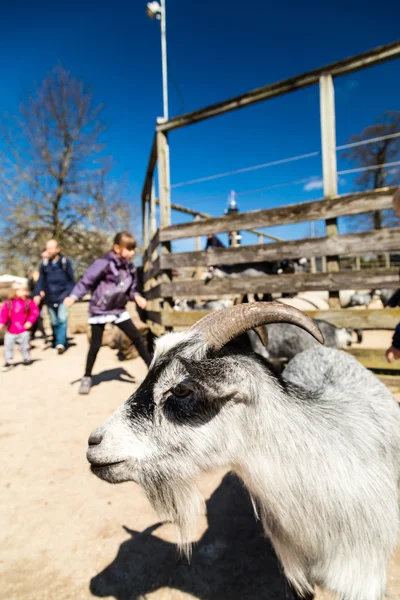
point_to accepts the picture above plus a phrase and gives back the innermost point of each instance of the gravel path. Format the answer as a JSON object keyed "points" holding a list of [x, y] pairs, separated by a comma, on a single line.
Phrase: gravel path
{"points": [[67, 535]]}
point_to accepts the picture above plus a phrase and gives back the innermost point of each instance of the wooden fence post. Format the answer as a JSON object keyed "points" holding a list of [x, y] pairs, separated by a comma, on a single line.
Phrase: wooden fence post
{"points": [[164, 188], [197, 247], [152, 304], [145, 216], [329, 166], [153, 220]]}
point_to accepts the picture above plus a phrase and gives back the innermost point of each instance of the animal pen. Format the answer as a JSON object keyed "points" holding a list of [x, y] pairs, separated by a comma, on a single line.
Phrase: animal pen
{"points": [[160, 263]]}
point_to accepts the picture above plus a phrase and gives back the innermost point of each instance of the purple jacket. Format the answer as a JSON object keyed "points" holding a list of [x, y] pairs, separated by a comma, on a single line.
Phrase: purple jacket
{"points": [[111, 281]]}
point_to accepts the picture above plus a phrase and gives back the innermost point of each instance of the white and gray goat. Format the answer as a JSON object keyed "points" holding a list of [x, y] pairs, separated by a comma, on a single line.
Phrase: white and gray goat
{"points": [[283, 340], [318, 449]]}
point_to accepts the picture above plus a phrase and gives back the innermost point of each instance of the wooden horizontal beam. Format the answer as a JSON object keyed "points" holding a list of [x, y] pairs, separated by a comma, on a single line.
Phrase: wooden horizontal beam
{"points": [[386, 318], [195, 213], [340, 206], [372, 358], [385, 240], [172, 318], [391, 381], [357, 319], [344, 280], [347, 65]]}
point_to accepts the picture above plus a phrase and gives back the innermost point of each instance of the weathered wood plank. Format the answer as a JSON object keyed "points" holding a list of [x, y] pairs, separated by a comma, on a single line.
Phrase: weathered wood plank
{"points": [[155, 242], [154, 292], [348, 65], [346, 205], [391, 381], [371, 278], [196, 213], [386, 318], [153, 272], [356, 243], [156, 316], [177, 318], [373, 358], [164, 179], [357, 319]]}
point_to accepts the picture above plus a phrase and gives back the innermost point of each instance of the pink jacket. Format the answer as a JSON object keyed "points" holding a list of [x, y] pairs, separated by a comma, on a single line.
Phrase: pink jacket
{"points": [[15, 313]]}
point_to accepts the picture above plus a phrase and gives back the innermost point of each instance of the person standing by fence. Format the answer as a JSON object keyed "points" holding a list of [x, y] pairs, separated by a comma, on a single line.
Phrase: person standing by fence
{"points": [[56, 280], [393, 353], [112, 281]]}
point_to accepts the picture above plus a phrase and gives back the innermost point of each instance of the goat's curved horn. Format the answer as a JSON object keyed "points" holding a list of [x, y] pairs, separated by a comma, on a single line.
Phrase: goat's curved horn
{"points": [[222, 326]]}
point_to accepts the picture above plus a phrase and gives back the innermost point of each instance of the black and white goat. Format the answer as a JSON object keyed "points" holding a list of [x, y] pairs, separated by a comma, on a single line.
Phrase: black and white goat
{"points": [[318, 449]]}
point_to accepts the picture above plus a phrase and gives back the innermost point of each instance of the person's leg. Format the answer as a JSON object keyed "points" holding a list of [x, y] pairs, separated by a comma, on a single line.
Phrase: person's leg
{"points": [[61, 326], [53, 321], [95, 345], [41, 325], [34, 329], [24, 346], [136, 338], [9, 342]]}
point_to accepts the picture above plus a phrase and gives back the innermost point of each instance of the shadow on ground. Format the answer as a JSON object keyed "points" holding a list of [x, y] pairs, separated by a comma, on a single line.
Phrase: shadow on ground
{"points": [[232, 561], [117, 374]]}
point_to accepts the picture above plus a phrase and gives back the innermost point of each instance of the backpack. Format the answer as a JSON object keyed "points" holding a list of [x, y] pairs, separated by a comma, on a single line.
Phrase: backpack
{"points": [[64, 261]]}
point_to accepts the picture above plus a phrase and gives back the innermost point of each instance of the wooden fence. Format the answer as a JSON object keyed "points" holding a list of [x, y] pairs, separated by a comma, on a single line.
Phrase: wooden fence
{"points": [[160, 263], [161, 285]]}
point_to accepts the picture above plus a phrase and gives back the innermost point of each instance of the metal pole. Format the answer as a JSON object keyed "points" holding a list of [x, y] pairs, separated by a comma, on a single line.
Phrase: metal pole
{"points": [[164, 58]]}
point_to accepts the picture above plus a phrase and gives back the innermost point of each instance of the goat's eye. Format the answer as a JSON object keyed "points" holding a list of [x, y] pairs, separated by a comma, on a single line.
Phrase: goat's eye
{"points": [[181, 391]]}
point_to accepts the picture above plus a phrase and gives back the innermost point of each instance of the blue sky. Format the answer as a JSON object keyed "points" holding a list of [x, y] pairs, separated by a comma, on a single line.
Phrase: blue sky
{"points": [[216, 49]]}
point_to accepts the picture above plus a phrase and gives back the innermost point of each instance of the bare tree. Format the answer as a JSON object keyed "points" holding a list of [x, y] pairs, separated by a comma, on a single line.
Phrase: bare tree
{"points": [[377, 154], [54, 177]]}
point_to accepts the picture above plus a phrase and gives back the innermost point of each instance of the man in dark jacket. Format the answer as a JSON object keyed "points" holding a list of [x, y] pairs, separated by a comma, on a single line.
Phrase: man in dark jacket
{"points": [[393, 353], [55, 283]]}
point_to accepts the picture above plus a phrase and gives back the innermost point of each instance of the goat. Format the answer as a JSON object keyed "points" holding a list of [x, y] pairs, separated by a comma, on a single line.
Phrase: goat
{"points": [[318, 449], [362, 298], [257, 269], [390, 298], [181, 305], [285, 340]]}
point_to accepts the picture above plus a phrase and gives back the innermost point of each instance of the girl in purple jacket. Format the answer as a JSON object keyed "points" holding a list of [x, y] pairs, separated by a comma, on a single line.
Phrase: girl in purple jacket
{"points": [[112, 283]]}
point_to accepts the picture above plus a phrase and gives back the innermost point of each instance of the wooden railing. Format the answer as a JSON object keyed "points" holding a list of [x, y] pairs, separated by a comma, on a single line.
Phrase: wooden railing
{"points": [[159, 262], [356, 244]]}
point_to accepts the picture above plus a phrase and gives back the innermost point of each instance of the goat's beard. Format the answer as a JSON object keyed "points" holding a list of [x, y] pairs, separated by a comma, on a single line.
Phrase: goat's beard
{"points": [[176, 501]]}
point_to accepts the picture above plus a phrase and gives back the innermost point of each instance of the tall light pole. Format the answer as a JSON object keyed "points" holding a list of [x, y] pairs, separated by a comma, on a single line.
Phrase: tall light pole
{"points": [[156, 10]]}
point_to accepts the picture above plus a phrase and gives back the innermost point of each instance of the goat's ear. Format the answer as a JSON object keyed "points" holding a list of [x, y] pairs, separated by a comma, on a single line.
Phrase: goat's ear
{"points": [[262, 334]]}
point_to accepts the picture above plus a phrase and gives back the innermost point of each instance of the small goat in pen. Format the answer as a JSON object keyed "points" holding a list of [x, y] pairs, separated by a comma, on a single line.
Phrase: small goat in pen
{"points": [[318, 448]]}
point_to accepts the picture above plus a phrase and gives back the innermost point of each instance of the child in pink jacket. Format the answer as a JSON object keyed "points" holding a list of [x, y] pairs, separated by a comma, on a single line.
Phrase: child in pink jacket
{"points": [[17, 316]]}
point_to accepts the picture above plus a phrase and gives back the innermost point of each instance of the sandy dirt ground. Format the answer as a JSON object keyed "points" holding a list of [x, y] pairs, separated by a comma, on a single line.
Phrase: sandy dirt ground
{"points": [[67, 535]]}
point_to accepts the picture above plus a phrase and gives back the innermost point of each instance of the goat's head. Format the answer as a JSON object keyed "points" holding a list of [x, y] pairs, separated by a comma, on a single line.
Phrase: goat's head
{"points": [[188, 416]]}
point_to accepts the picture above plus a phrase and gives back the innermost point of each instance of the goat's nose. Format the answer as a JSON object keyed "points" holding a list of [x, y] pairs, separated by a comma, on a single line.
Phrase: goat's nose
{"points": [[95, 437]]}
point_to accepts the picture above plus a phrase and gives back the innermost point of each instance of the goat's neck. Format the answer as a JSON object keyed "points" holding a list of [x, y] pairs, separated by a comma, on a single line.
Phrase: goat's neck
{"points": [[277, 433]]}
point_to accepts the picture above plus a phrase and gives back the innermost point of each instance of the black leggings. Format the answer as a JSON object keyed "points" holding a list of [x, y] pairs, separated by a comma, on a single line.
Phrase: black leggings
{"points": [[95, 343]]}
